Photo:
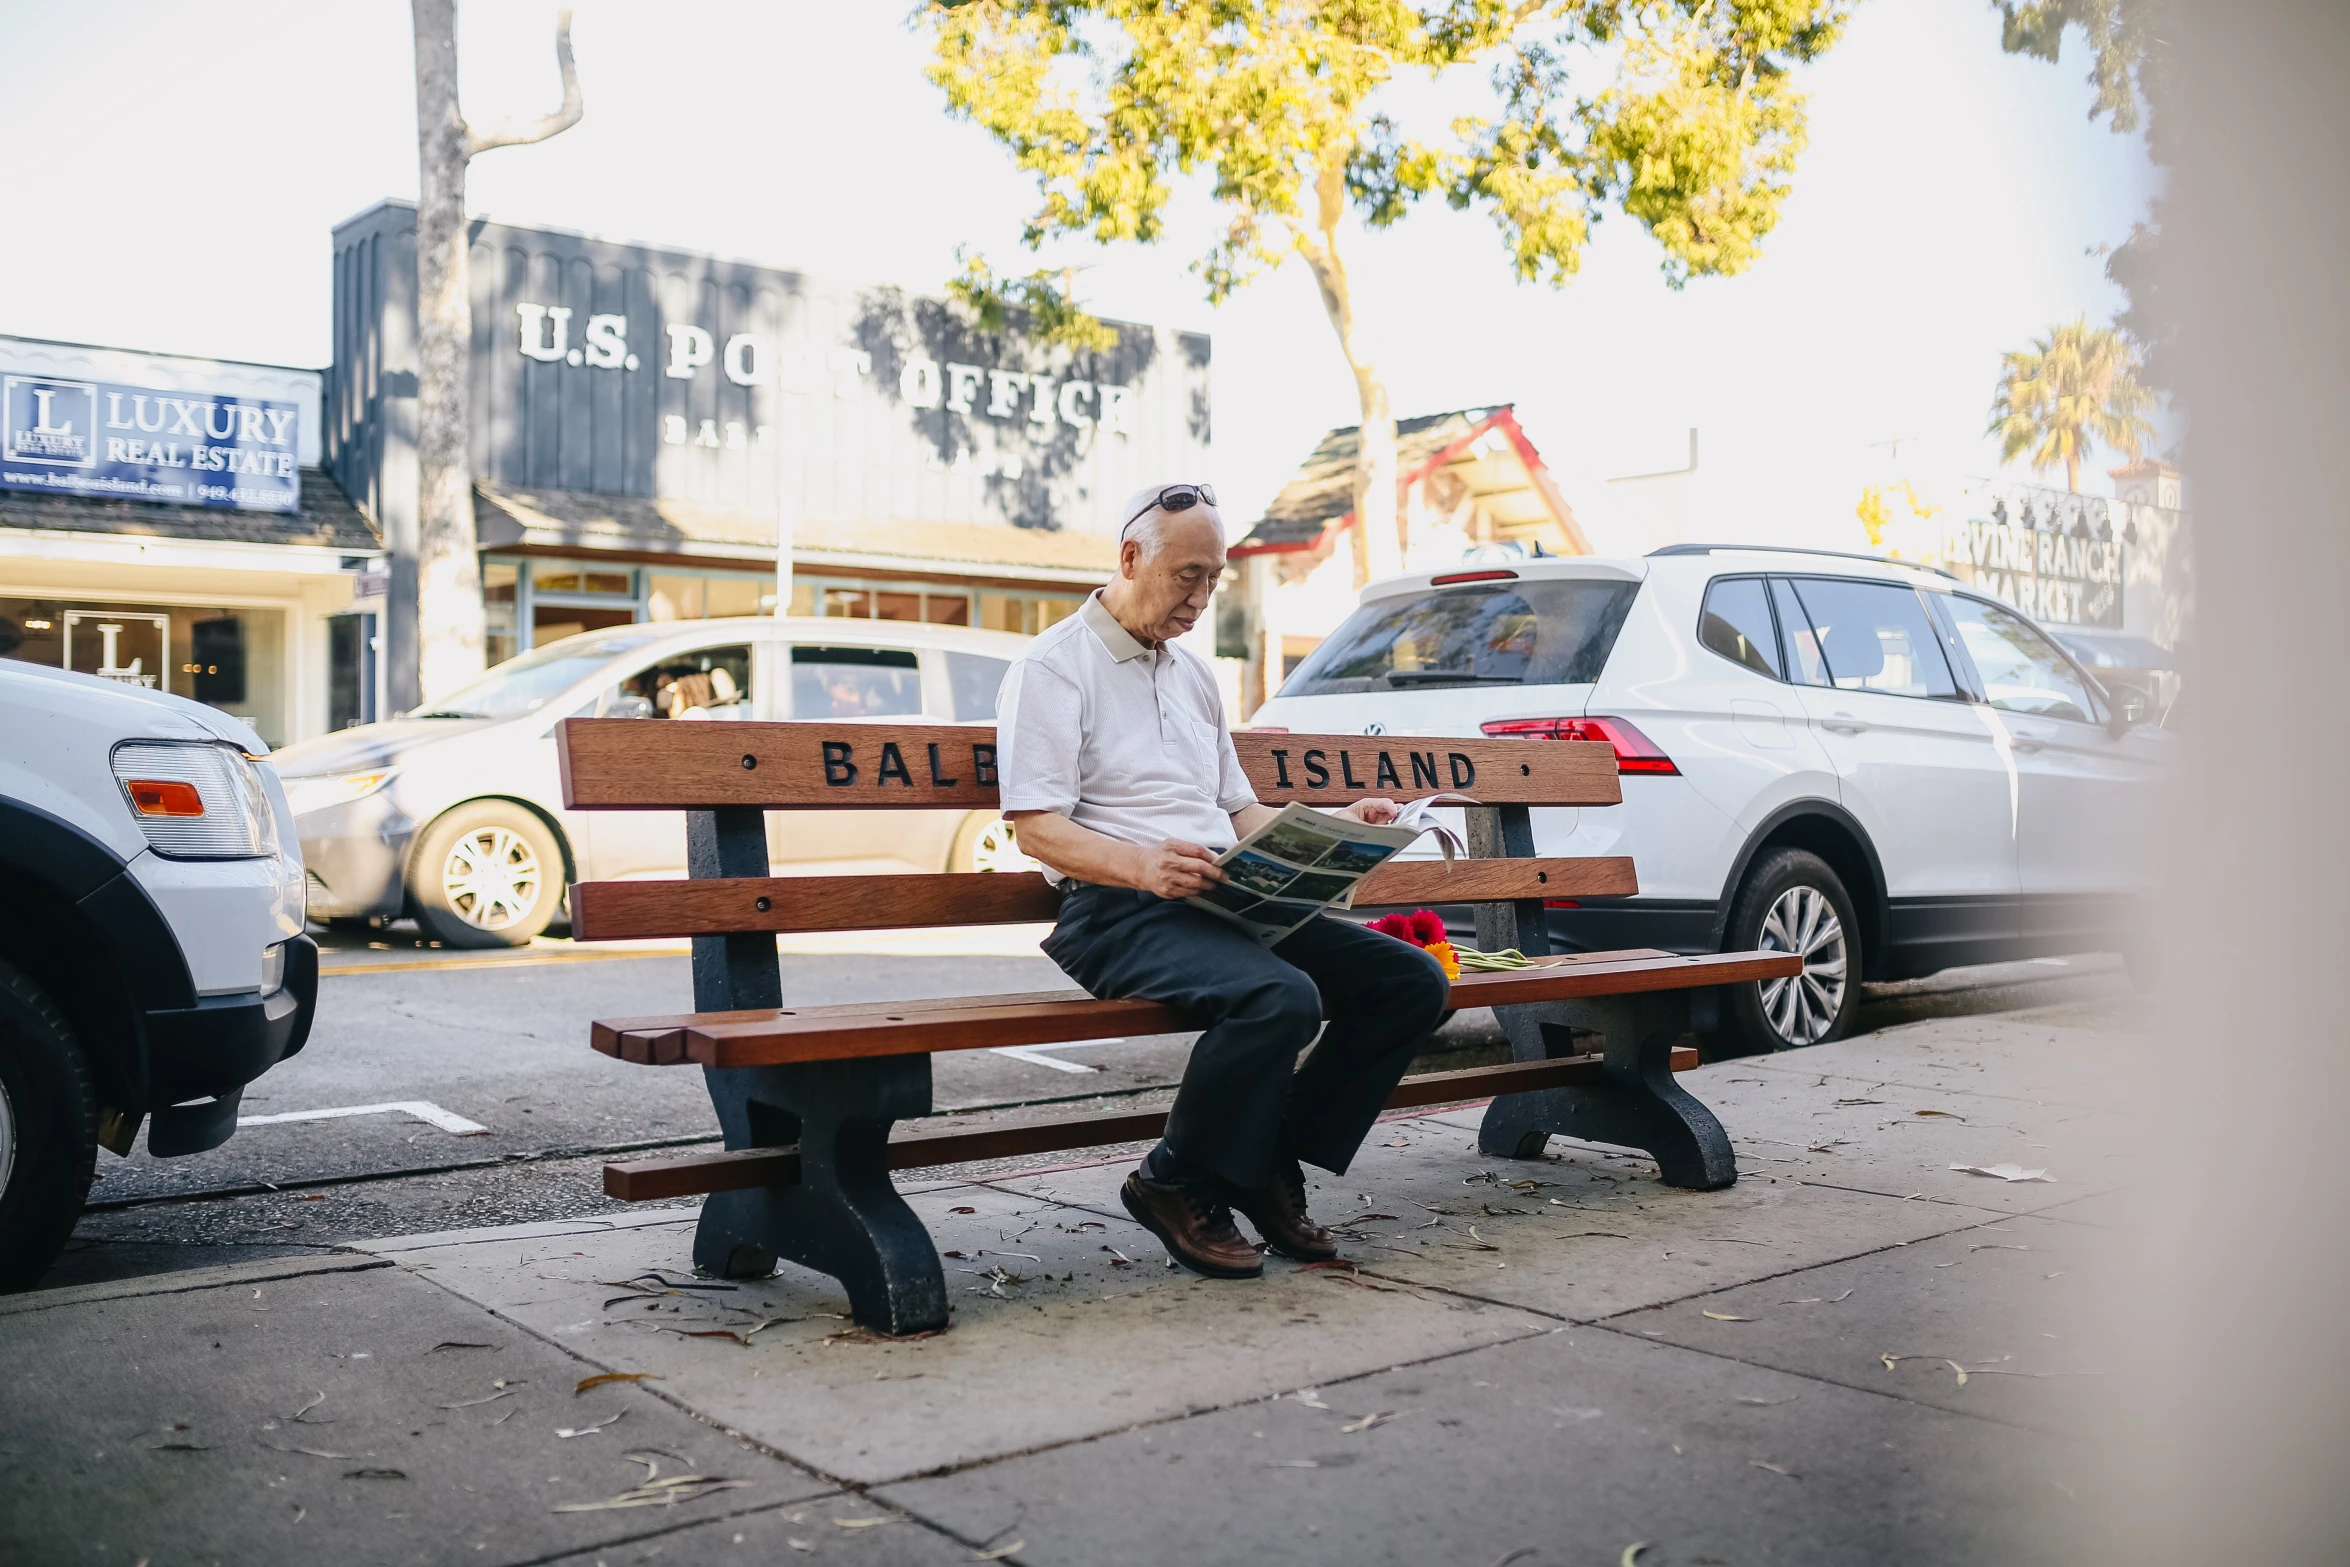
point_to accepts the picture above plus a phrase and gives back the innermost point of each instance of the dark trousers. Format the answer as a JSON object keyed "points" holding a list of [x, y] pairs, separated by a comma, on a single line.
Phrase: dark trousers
{"points": [[1244, 1098]]}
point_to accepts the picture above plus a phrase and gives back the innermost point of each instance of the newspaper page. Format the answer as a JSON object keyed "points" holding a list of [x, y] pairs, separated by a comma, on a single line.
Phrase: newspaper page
{"points": [[1304, 861]]}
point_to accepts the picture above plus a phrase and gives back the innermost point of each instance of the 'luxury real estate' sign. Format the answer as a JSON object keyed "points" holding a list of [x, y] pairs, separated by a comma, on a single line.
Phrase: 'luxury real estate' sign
{"points": [[100, 438]]}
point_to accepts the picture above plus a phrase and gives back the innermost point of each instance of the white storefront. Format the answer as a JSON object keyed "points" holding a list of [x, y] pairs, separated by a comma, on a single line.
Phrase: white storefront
{"points": [[164, 522]]}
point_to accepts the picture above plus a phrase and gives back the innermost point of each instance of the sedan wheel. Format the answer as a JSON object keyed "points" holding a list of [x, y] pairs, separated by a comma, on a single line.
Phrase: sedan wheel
{"points": [[990, 844], [1802, 1010], [1793, 901], [490, 878], [488, 874]]}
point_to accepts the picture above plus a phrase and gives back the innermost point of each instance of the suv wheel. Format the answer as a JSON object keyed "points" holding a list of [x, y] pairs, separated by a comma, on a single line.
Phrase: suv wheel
{"points": [[1793, 902], [48, 1130], [487, 874]]}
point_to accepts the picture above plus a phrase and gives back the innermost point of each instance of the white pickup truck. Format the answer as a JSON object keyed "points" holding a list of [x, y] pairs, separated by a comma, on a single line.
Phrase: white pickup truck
{"points": [[152, 961]]}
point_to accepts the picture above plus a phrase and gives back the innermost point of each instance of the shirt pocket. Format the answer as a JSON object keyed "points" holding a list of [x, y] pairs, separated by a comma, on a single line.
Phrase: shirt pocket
{"points": [[1200, 744]]}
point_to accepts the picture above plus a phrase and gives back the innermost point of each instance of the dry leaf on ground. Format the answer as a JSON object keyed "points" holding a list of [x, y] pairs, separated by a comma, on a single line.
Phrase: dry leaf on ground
{"points": [[1723, 1316], [999, 1553], [655, 1493], [572, 1431], [2005, 1172], [1773, 1468], [613, 1376], [858, 1523], [1380, 1417]]}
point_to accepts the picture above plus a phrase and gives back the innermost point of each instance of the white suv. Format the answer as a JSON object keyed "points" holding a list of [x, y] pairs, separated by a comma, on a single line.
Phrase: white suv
{"points": [[1867, 763], [152, 961]]}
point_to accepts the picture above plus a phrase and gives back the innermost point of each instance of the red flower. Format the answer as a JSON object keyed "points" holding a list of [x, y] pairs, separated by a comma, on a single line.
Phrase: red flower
{"points": [[1422, 927]]}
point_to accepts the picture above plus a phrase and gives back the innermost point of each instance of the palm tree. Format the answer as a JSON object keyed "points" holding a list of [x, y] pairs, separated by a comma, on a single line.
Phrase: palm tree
{"points": [[2076, 386]]}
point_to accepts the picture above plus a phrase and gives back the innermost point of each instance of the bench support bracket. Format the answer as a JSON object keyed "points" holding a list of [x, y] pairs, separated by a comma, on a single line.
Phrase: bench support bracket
{"points": [[1638, 1106], [843, 1216]]}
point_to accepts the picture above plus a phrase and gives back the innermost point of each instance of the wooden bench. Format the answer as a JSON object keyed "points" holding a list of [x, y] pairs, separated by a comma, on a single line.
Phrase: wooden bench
{"points": [[807, 1096]]}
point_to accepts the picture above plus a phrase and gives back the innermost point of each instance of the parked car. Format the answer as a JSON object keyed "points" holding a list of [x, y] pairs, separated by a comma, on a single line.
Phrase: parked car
{"points": [[152, 961], [1867, 763], [2128, 667], [453, 813]]}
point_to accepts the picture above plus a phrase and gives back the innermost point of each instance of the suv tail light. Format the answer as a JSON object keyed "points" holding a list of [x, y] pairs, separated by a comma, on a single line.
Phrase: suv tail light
{"points": [[1635, 752]]}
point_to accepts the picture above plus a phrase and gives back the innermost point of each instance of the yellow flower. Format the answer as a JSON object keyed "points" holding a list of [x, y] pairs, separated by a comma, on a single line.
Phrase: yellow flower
{"points": [[1442, 952]]}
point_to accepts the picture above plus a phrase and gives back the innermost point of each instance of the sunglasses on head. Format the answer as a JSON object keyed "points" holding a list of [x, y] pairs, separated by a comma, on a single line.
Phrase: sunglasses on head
{"points": [[1175, 497]]}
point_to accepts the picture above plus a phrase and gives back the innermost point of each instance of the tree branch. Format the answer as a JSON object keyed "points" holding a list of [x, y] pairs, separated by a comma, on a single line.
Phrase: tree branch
{"points": [[522, 133]]}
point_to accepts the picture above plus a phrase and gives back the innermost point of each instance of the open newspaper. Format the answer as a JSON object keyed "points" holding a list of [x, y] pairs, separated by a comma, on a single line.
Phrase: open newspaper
{"points": [[1304, 861]]}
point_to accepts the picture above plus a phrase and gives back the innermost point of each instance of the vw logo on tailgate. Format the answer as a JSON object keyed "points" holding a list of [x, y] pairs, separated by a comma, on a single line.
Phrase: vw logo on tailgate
{"points": [[1374, 728]]}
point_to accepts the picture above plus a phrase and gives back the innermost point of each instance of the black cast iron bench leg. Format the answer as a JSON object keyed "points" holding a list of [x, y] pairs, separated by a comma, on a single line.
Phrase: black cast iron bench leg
{"points": [[844, 1216], [1638, 1106]]}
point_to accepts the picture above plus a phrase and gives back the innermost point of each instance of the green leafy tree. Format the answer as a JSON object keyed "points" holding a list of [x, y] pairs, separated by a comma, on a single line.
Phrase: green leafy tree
{"points": [[2127, 61], [2071, 389], [1691, 129]]}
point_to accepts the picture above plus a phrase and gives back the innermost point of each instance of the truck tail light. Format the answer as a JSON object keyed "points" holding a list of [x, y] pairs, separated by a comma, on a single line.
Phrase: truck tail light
{"points": [[1635, 752], [164, 797]]}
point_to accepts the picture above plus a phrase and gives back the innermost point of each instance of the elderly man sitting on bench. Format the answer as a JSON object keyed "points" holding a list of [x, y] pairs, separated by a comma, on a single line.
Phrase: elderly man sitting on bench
{"points": [[1120, 777]]}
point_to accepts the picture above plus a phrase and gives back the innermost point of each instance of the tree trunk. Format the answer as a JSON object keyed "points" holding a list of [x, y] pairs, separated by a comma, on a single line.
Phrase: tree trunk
{"points": [[448, 562], [448, 559], [1377, 539], [2072, 470]]}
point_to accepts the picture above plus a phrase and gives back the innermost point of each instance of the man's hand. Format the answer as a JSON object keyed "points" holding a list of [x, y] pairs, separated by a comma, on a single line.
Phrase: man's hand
{"points": [[1176, 869], [1371, 813]]}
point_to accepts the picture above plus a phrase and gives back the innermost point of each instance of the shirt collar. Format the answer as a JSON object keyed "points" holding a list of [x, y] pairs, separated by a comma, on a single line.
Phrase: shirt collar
{"points": [[1120, 642]]}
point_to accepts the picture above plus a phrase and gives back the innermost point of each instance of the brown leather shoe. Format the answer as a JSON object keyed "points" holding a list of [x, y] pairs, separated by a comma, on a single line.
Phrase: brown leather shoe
{"points": [[1279, 1213], [1194, 1225]]}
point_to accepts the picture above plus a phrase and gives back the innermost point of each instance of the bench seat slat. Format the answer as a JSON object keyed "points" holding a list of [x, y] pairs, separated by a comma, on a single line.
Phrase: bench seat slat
{"points": [[687, 1175], [776, 1037], [621, 910]]}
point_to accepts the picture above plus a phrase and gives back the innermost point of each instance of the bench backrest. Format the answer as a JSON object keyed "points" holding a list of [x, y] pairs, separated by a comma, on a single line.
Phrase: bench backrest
{"points": [[725, 775]]}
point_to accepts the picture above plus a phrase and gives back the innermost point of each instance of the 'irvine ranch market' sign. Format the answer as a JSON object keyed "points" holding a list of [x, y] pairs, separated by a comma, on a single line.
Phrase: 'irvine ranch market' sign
{"points": [[98, 438]]}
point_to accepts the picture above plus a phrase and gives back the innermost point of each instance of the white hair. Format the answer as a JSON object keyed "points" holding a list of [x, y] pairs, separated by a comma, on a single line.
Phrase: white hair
{"points": [[1150, 528]]}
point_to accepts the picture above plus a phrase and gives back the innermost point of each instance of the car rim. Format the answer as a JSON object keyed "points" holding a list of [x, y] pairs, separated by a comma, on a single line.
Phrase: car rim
{"points": [[7, 1138], [491, 878], [1802, 1010], [996, 848]]}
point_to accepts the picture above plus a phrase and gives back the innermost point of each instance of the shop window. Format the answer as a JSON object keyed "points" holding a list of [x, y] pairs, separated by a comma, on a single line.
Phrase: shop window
{"points": [[897, 606], [1052, 611], [576, 580], [855, 682], [232, 659], [725, 596], [942, 609], [33, 630], [550, 623], [1002, 612], [497, 582], [674, 598], [803, 597], [852, 603]]}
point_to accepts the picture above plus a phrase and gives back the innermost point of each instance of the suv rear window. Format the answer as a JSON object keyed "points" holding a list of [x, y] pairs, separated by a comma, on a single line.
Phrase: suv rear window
{"points": [[1554, 631]]}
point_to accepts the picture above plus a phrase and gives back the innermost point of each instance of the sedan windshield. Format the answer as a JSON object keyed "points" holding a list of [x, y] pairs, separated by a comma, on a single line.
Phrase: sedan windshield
{"points": [[526, 684], [1532, 632]]}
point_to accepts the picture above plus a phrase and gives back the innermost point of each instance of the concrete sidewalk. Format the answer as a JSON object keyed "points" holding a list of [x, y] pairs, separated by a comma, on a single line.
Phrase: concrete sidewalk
{"points": [[1857, 1354]]}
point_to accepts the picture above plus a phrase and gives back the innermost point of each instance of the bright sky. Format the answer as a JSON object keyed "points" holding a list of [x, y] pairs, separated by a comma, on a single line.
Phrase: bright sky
{"points": [[175, 170]]}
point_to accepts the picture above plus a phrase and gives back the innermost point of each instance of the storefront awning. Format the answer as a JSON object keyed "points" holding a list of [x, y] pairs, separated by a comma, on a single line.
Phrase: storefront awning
{"points": [[577, 522], [326, 520]]}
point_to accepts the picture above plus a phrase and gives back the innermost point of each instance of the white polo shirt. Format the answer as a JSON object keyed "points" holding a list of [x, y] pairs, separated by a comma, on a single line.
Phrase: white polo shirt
{"points": [[1125, 739]]}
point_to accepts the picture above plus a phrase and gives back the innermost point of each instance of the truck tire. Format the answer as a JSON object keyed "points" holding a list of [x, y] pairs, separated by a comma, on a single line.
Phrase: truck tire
{"points": [[1793, 901], [487, 874], [48, 1130]]}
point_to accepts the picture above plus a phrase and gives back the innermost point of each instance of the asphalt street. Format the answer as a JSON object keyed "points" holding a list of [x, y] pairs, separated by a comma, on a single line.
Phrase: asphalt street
{"points": [[444, 1090]]}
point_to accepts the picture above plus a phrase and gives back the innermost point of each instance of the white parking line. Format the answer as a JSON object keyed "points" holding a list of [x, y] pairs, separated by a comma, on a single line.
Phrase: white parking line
{"points": [[422, 1109], [1035, 1054]]}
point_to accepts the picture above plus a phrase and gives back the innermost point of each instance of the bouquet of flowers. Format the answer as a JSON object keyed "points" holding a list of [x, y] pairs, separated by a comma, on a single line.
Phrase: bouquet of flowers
{"points": [[1424, 929]]}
